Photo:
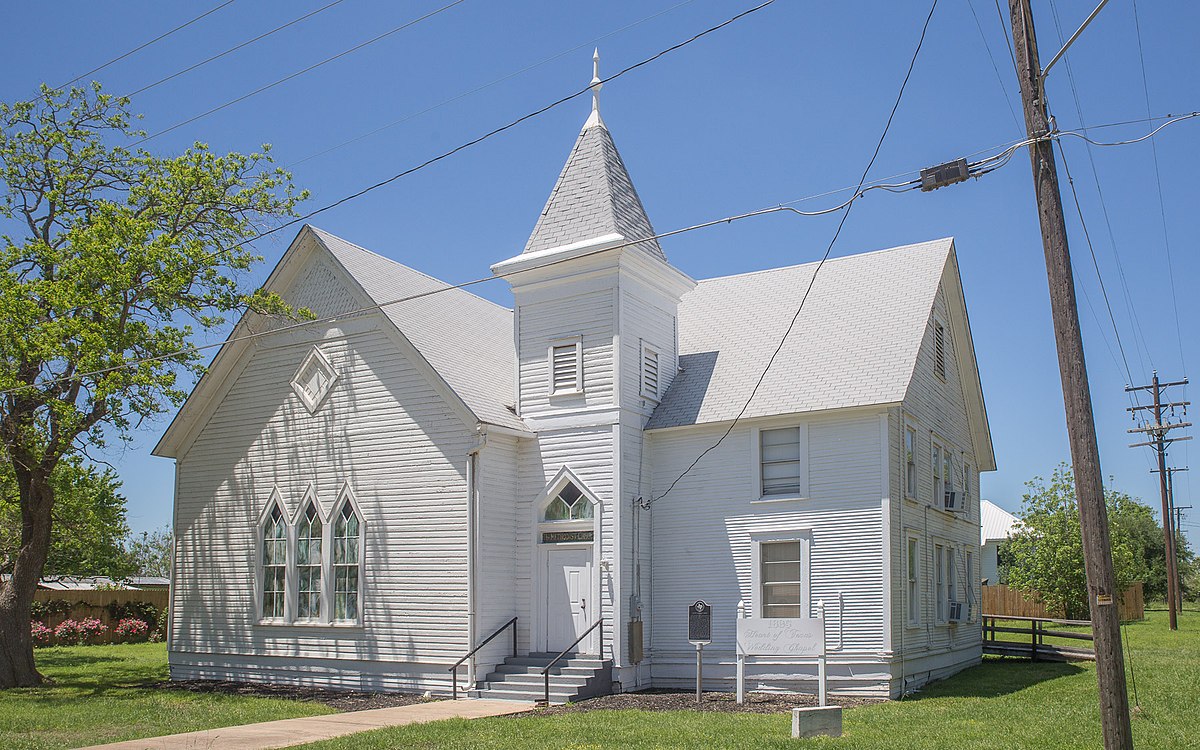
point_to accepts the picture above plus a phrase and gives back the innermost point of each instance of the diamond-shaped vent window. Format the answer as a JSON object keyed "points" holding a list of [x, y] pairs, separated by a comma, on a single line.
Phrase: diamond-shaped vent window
{"points": [[313, 381]]}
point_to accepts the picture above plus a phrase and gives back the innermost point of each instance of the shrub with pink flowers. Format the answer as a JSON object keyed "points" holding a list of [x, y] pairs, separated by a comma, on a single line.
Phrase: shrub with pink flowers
{"points": [[42, 635], [131, 629], [79, 632]]}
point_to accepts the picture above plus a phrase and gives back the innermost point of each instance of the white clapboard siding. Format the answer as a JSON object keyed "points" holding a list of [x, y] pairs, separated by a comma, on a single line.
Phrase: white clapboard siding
{"points": [[702, 540], [935, 407], [589, 316], [645, 317], [496, 588], [388, 431]]}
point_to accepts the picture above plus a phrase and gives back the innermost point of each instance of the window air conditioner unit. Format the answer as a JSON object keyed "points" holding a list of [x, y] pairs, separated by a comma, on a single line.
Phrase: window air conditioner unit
{"points": [[956, 612], [952, 500]]}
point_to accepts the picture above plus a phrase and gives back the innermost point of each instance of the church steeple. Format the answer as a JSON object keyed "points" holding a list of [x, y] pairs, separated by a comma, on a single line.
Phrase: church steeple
{"points": [[594, 195]]}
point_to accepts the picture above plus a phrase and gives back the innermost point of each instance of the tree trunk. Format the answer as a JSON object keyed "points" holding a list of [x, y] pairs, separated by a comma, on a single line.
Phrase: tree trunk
{"points": [[16, 594]]}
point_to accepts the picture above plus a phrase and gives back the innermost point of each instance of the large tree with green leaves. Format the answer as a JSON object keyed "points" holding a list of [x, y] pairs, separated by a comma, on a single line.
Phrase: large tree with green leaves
{"points": [[111, 259], [90, 535], [1046, 553]]}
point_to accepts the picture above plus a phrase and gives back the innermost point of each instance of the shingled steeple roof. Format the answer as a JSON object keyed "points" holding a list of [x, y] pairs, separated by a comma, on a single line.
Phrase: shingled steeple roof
{"points": [[594, 196]]}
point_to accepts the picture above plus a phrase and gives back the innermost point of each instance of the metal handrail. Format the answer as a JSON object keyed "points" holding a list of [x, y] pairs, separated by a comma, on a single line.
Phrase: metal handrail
{"points": [[546, 672], [454, 670]]}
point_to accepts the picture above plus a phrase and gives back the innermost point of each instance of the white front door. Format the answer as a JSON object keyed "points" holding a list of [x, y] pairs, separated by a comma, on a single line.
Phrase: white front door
{"points": [[568, 590]]}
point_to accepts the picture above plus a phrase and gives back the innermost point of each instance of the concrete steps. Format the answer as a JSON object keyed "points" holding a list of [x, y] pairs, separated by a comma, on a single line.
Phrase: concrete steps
{"points": [[572, 678]]}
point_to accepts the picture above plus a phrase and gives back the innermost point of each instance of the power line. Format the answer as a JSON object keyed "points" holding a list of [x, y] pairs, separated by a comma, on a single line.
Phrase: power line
{"points": [[1139, 336], [862, 188], [812, 281], [1162, 210], [1003, 89], [488, 85], [298, 73], [235, 48], [498, 130], [143, 46]]}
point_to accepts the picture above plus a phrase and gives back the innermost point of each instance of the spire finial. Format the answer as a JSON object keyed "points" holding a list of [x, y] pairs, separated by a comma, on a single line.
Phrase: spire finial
{"points": [[597, 84]]}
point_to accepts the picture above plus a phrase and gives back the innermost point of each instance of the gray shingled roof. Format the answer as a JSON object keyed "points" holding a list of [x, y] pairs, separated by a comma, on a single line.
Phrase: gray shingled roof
{"points": [[466, 339], [855, 344], [593, 197]]}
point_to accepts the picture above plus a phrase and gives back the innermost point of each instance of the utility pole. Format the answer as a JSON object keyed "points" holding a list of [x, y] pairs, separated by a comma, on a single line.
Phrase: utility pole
{"points": [[1081, 427], [1179, 509], [1158, 431]]}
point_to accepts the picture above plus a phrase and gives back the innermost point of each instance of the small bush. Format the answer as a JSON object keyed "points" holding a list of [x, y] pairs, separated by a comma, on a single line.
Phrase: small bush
{"points": [[131, 630], [42, 635], [66, 633], [91, 629]]}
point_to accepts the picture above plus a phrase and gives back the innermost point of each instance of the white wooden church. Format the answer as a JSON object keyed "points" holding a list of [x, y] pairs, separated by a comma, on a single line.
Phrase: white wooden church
{"points": [[362, 503]]}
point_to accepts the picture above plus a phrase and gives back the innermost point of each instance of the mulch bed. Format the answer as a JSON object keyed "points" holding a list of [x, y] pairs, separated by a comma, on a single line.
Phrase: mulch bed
{"points": [[677, 700], [342, 700]]}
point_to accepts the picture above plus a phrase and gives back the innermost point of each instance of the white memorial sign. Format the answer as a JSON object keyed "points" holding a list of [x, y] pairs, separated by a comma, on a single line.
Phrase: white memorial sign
{"points": [[780, 636]]}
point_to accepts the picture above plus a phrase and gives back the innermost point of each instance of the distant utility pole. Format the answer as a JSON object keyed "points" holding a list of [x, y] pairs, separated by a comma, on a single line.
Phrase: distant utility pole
{"points": [[1157, 431], [1179, 509], [1081, 427]]}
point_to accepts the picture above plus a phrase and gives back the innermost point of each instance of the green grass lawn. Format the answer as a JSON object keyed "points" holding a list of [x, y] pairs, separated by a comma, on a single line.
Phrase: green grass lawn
{"points": [[97, 697], [1002, 704]]}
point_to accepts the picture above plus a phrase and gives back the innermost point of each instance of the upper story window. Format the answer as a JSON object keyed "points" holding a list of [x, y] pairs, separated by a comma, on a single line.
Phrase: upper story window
{"points": [[308, 564], [569, 505], [939, 349], [910, 462], [935, 462], [966, 486], [650, 382], [781, 461], [347, 563], [940, 592], [566, 367], [274, 564]]}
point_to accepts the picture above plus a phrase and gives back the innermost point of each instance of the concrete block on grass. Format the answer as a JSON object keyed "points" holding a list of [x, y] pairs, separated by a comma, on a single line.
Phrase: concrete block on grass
{"points": [[817, 721]]}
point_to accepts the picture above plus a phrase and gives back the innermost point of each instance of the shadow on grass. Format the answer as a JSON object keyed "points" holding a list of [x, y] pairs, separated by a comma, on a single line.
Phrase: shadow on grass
{"points": [[997, 677]]}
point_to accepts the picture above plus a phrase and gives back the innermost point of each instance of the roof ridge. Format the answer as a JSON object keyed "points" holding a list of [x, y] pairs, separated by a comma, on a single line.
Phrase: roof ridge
{"points": [[445, 284], [834, 259]]}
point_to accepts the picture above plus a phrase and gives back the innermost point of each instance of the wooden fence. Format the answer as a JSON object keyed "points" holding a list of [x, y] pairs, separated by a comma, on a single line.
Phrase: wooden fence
{"points": [[1004, 601], [97, 603]]}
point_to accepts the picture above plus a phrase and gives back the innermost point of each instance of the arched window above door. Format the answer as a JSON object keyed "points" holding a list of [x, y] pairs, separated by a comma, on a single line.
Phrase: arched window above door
{"points": [[569, 504]]}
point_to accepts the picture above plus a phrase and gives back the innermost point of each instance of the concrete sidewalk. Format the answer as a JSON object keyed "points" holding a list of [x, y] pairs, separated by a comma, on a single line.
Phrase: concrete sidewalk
{"points": [[288, 732]]}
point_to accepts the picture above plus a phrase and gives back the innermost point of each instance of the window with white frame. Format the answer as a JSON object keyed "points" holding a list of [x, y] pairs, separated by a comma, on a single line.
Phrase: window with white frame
{"points": [[650, 373], [951, 578], [781, 462], [935, 462], [566, 367], [971, 581], [913, 574], [308, 564], [314, 380], [939, 349], [780, 576], [910, 462], [347, 564], [966, 486], [939, 581], [947, 475], [274, 565]]}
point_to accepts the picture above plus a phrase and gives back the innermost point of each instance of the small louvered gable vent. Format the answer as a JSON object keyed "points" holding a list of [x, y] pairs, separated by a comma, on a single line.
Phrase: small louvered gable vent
{"points": [[565, 375], [939, 350], [650, 387]]}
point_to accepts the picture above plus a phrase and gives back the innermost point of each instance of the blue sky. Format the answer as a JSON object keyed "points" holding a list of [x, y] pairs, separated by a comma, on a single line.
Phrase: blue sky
{"points": [[784, 104]]}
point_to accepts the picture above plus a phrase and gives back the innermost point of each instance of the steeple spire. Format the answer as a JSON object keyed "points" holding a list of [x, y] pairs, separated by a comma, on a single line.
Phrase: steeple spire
{"points": [[597, 84]]}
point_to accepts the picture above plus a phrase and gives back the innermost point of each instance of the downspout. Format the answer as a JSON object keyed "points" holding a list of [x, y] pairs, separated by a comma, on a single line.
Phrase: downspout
{"points": [[473, 545]]}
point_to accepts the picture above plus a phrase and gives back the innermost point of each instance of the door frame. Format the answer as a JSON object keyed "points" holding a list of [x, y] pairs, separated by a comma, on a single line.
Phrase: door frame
{"points": [[540, 560]]}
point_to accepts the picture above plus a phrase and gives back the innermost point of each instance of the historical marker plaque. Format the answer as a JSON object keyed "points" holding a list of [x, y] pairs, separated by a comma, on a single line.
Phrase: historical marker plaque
{"points": [[700, 623]]}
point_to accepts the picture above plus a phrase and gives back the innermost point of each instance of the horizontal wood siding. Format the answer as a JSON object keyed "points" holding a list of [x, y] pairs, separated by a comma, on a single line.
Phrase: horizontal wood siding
{"points": [[588, 315], [388, 430], [936, 408], [642, 320], [496, 572], [702, 544]]}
